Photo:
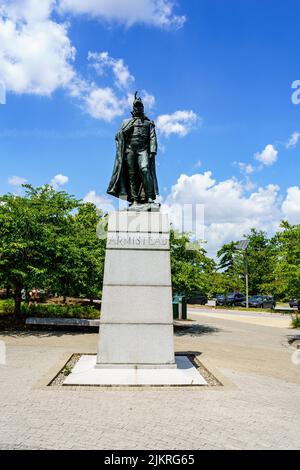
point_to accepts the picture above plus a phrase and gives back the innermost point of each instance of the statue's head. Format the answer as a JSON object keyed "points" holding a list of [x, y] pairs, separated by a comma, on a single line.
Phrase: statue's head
{"points": [[138, 107]]}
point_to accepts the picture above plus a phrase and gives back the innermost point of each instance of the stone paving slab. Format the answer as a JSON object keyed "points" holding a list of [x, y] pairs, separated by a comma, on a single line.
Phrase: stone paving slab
{"points": [[259, 411]]}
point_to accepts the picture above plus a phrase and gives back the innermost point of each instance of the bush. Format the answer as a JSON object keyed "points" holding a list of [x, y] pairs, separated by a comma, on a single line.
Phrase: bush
{"points": [[7, 307], [53, 311], [296, 321]]}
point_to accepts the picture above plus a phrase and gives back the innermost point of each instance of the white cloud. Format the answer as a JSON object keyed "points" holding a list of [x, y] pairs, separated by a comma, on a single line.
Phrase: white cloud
{"points": [[107, 103], [179, 123], [291, 205], [153, 12], [17, 181], [246, 168], [37, 57], [198, 164], [293, 140], [230, 212], [30, 10], [103, 103], [148, 100], [102, 60], [268, 156], [58, 181], [36, 54], [101, 202]]}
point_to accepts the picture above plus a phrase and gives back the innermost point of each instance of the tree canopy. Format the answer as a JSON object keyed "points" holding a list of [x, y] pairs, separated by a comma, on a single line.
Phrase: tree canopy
{"points": [[48, 240]]}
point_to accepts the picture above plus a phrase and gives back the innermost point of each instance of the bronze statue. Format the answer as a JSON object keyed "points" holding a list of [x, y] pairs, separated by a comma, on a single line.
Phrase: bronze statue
{"points": [[134, 176]]}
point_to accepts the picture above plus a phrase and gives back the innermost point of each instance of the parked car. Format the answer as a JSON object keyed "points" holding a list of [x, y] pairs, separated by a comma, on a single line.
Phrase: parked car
{"points": [[235, 299], [220, 300], [198, 298], [294, 303], [232, 299], [261, 301]]}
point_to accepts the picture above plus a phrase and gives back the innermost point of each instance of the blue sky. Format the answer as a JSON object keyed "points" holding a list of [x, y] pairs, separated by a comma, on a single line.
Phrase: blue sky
{"points": [[216, 76]]}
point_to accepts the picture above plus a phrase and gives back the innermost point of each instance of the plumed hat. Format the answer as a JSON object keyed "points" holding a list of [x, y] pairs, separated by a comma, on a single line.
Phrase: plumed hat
{"points": [[138, 103]]}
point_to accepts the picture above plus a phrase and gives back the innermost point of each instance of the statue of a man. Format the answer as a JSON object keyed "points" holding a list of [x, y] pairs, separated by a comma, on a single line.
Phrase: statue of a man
{"points": [[134, 176]]}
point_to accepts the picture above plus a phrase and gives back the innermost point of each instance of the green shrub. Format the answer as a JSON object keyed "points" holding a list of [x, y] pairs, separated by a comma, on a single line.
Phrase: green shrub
{"points": [[63, 311], [7, 307], [52, 310], [296, 321]]}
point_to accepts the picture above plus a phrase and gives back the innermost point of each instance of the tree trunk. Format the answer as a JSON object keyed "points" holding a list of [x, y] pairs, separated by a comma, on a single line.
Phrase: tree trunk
{"points": [[7, 292], [18, 299]]}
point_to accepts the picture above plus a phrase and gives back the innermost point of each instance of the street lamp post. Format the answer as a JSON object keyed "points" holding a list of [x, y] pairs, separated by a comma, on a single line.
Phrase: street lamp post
{"points": [[247, 278], [243, 246]]}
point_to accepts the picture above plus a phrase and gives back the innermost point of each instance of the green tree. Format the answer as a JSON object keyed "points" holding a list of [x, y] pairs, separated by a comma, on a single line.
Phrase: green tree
{"points": [[287, 269], [231, 276], [34, 232], [261, 254], [190, 265], [227, 258], [92, 250]]}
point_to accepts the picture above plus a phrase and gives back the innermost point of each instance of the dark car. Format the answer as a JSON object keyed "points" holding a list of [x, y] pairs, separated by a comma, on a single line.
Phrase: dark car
{"points": [[198, 298], [261, 301], [220, 300], [235, 299], [294, 303]]}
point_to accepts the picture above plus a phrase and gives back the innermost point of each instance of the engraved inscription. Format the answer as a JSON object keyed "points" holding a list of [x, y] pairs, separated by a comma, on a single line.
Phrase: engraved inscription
{"points": [[138, 241]]}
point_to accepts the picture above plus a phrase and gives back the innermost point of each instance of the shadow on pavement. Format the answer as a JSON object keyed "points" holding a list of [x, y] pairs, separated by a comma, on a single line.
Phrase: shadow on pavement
{"points": [[195, 330], [45, 333]]}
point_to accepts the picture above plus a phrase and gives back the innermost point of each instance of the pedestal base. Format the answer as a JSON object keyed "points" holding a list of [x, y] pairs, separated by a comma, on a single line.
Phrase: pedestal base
{"points": [[86, 373], [136, 344], [150, 207], [136, 326], [136, 366]]}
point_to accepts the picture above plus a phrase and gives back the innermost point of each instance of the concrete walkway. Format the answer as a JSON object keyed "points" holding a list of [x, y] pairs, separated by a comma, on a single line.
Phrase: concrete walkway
{"points": [[258, 407], [264, 319]]}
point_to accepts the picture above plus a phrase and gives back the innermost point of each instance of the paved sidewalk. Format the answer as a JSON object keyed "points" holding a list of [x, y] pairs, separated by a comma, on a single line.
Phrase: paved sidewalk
{"points": [[264, 319], [257, 408]]}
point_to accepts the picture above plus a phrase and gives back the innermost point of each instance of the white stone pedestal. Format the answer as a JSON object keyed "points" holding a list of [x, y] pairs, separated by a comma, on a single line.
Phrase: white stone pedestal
{"points": [[86, 374], [136, 327]]}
